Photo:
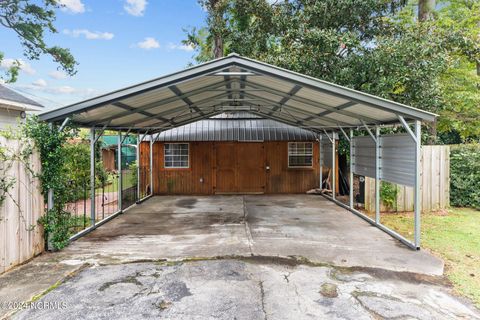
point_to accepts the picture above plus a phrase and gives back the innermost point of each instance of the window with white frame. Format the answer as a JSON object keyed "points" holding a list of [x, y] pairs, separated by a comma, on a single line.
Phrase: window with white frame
{"points": [[300, 154], [176, 155]]}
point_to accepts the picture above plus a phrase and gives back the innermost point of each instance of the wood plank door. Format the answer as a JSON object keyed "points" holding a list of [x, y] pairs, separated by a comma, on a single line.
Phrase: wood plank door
{"points": [[225, 168], [240, 167], [250, 167]]}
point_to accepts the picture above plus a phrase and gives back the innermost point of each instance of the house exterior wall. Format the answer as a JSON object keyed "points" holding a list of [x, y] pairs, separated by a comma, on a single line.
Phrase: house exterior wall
{"points": [[201, 176], [9, 118]]}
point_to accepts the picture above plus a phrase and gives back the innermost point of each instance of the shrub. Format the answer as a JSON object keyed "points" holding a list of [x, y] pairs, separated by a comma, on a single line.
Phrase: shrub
{"points": [[465, 175], [388, 194]]}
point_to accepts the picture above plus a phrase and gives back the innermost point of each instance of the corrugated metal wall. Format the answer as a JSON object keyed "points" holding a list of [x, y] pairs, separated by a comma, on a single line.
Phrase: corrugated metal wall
{"points": [[236, 129]]}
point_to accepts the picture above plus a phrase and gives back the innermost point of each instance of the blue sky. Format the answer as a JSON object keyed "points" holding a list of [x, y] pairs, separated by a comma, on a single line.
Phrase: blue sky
{"points": [[116, 42]]}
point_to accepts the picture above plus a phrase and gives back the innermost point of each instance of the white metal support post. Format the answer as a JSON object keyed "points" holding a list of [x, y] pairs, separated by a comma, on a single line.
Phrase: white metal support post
{"points": [[377, 175], [119, 169], [320, 161], [351, 169], [92, 176], [334, 152], [417, 200]]}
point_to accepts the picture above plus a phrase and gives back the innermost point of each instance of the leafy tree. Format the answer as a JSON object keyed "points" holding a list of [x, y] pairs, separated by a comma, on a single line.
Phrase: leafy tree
{"points": [[30, 20], [379, 47], [461, 82]]}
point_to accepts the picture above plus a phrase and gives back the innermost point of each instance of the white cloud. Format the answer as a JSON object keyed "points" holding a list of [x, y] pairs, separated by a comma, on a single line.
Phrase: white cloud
{"points": [[89, 35], [72, 6], [135, 7], [24, 66], [148, 43], [57, 74], [40, 83], [183, 47], [42, 86], [61, 89]]}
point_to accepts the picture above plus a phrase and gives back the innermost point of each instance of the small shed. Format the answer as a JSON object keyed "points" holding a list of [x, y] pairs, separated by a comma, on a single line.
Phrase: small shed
{"points": [[235, 152]]}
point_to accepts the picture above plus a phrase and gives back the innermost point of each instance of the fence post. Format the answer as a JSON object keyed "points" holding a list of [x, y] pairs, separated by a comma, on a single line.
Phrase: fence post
{"points": [[92, 176], [119, 168]]}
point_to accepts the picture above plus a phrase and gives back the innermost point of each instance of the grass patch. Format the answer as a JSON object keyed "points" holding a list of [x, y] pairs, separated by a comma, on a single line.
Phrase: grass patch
{"points": [[455, 237], [112, 184]]}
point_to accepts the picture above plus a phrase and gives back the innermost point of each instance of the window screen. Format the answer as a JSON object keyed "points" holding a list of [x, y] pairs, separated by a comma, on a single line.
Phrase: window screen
{"points": [[300, 154], [176, 155]]}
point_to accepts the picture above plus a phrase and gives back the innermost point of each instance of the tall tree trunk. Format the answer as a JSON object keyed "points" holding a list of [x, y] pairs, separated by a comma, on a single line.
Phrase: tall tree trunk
{"points": [[426, 8], [216, 12], [218, 46]]}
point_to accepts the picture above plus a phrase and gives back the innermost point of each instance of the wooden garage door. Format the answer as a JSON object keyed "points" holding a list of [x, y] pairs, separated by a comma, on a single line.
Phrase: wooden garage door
{"points": [[240, 167]]}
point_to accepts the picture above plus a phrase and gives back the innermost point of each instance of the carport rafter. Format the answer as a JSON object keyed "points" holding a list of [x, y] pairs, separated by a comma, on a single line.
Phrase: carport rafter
{"points": [[314, 104], [285, 99], [336, 109], [145, 113], [278, 106], [187, 101], [160, 102], [174, 110]]}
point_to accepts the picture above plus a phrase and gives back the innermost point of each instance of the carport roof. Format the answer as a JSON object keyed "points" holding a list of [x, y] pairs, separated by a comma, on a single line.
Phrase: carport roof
{"points": [[234, 83]]}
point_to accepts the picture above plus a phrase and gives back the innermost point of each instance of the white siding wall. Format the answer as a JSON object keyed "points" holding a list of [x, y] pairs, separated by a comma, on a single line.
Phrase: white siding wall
{"points": [[9, 118]]}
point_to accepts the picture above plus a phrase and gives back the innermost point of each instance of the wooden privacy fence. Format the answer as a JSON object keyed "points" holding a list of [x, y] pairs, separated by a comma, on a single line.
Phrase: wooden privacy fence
{"points": [[21, 238], [434, 187]]}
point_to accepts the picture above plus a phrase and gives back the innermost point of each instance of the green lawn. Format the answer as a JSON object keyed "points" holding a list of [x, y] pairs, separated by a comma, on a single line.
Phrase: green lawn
{"points": [[455, 237], [112, 184]]}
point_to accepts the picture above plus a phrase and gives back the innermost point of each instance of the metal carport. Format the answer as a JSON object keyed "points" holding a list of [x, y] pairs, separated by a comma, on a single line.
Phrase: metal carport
{"points": [[236, 83]]}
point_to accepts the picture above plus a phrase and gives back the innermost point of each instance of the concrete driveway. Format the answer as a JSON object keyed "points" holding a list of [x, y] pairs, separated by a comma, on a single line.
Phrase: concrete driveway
{"points": [[234, 257], [305, 226], [239, 289]]}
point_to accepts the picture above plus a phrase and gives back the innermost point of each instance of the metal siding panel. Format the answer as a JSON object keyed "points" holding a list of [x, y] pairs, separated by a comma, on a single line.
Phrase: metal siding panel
{"points": [[363, 157], [244, 131], [398, 159], [326, 152]]}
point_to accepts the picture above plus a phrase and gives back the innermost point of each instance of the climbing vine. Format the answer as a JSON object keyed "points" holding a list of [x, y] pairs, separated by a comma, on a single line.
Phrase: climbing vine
{"points": [[50, 142]]}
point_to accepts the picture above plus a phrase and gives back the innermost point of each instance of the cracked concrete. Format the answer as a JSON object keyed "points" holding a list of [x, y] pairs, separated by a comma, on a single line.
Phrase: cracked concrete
{"points": [[239, 289], [251, 257]]}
